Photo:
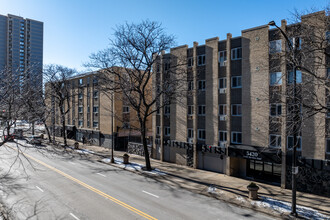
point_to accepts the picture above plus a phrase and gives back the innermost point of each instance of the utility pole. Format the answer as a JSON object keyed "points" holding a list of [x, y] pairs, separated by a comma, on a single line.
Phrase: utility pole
{"points": [[296, 118], [112, 121]]}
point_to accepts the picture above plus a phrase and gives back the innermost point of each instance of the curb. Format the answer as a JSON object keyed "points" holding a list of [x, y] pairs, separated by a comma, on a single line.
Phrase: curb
{"points": [[271, 214], [268, 212]]}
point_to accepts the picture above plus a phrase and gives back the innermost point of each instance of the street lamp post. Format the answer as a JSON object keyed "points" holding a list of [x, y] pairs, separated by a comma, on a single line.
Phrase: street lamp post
{"points": [[112, 121], [296, 118]]}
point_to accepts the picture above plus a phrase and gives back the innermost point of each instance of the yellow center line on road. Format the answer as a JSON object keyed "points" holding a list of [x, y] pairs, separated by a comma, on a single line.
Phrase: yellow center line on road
{"points": [[92, 188]]}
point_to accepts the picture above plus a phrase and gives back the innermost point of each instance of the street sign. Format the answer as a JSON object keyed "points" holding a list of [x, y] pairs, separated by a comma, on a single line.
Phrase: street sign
{"points": [[295, 170]]}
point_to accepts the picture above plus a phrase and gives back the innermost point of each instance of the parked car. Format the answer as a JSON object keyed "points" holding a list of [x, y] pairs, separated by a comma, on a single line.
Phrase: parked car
{"points": [[34, 139], [18, 133], [10, 137]]}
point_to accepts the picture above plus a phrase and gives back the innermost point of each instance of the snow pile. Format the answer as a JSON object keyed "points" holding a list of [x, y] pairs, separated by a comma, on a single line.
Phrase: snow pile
{"points": [[133, 166], [212, 189], [82, 151], [241, 199], [284, 207]]}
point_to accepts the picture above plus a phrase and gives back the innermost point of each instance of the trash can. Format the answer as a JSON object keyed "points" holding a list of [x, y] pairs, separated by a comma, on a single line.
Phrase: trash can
{"points": [[125, 159]]}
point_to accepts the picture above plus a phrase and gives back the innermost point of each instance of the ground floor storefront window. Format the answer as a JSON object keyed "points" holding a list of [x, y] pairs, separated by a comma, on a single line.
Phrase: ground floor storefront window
{"points": [[266, 171]]}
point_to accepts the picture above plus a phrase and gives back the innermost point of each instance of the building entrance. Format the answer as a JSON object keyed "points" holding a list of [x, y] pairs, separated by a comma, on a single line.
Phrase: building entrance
{"points": [[266, 171]]}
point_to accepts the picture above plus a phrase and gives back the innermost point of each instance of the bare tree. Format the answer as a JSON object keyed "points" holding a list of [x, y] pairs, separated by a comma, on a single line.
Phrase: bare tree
{"points": [[11, 107], [58, 92], [305, 53], [126, 68]]}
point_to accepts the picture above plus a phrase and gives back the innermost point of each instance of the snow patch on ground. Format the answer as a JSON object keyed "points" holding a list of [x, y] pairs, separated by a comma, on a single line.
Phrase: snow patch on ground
{"points": [[212, 189], [82, 151], [85, 151], [284, 207], [241, 199], [133, 166]]}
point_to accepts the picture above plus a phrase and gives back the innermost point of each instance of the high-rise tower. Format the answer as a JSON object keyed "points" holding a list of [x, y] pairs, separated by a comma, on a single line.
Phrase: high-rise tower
{"points": [[21, 51]]}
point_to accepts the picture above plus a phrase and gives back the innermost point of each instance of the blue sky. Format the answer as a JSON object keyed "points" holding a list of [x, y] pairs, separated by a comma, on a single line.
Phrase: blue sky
{"points": [[73, 29]]}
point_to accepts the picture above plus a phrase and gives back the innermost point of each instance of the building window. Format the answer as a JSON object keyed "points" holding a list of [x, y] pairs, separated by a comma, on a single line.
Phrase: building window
{"points": [[275, 78], [190, 85], [236, 82], [275, 140], [275, 46], [291, 108], [80, 123], [222, 83], [80, 109], [222, 58], [190, 110], [201, 110], [201, 85], [236, 53], [201, 134], [222, 109], [125, 109], [80, 81], [236, 137], [95, 124], [80, 96], [190, 61], [327, 36], [290, 143], [190, 133], [275, 110], [236, 109], [327, 150], [298, 77], [201, 60], [297, 41], [158, 130], [95, 80], [95, 94], [167, 131], [95, 109], [222, 136], [167, 66], [167, 110]]}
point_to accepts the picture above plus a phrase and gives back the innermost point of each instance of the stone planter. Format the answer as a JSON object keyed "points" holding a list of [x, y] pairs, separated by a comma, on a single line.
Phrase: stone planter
{"points": [[76, 145], [125, 159], [253, 191]]}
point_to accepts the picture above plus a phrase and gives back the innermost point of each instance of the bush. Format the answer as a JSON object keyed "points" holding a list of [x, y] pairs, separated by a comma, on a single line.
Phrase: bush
{"points": [[252, 184]]}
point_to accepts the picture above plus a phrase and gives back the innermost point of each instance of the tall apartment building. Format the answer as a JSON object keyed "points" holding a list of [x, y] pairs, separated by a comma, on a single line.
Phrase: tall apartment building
{"points": [[236, 118], [21, 50], [96, 114]]}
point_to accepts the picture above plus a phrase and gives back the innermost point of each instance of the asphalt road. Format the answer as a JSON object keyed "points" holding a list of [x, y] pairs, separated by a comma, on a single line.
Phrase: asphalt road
{"points": [[41, 183]]}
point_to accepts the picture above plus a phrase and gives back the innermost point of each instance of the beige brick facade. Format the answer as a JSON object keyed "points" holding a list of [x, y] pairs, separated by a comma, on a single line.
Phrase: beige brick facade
{"points": [[241, 130]]}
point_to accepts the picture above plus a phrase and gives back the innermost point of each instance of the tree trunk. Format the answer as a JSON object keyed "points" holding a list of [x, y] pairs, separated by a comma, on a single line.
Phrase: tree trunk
{"points": [[33, 127], [48, 133], [63, 129], [145, 147], [8, 128]]}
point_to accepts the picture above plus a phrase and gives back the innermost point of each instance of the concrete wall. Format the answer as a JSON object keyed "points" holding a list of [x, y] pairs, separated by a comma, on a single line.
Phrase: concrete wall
{"points": [[211, 93], [178, 118], [255, 86]]}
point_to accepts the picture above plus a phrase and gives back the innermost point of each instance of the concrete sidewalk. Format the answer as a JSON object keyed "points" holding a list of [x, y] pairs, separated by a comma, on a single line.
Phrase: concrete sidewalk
{"points": [[220, 186]]}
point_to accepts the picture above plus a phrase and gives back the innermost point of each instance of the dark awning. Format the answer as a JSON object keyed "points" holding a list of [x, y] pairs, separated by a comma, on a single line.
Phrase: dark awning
{"points": [[266, 154], [70, 127]]}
